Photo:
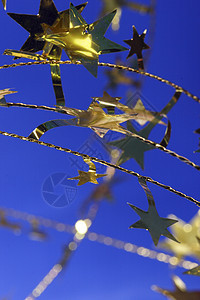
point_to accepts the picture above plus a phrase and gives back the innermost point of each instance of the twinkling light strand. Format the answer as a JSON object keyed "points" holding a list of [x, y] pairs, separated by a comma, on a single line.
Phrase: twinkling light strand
{"points": [[80, 230], [102, 239], [97, 160], [102, 64]]}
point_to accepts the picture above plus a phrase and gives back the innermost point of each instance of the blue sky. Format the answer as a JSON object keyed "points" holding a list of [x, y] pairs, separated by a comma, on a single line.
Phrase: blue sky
{"points": [[96, 271]]}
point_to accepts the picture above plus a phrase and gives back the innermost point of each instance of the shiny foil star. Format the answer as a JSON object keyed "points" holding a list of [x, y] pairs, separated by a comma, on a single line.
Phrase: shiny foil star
{"points": [[134, 148], [84, 42], [94, 117], [137, 45], [90, 176], [187, 234], [150, 220], [48, 20], [142, 115], [180, 292]]}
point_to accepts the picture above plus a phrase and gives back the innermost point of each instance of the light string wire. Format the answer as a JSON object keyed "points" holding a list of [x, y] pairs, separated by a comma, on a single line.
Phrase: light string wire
{"points": [[71, 247], [156, 145], [102, 239], [97, 160], [102, 64]]}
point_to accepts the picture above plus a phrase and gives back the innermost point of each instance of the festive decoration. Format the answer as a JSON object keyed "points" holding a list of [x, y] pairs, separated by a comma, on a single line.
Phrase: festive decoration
{"points": [[142, 115], [150, 220], [94, 117], [193, 271], [133, 148], [180, 292], [137, 45], [85, 42], [48, 20], [90, 176], [187, 234]]}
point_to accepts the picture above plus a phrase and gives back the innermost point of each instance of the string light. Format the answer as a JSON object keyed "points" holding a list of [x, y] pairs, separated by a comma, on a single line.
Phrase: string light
{"points": [[99, 238]]}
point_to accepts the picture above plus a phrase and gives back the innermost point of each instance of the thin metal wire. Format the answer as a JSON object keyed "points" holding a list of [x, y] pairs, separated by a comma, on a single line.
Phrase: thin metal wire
{"points": [[156, 145], [102, 64], [97, 160]]}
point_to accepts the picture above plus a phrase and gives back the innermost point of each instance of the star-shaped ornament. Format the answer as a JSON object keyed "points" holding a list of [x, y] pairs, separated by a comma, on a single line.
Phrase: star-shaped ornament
{"points": [[90, 176], [180, 292], [193, 271], [134, 148], [150, 220], [48, 20], [142, 115], [94, 117], [85, 42], [137, 45], [188, 234]]}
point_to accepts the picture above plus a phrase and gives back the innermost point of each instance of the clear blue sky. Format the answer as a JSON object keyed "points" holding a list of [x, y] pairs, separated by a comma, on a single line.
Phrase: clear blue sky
{"points": [[96, 271]]}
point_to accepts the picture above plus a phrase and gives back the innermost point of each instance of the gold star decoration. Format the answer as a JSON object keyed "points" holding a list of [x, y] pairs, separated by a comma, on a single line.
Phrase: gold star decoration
{"points": [[180, 292], [90, 176], [94, 117], [134, 148], [137, 45], [187, 234], [84, 42], [48, 20], [150, 220], [142, 115]]}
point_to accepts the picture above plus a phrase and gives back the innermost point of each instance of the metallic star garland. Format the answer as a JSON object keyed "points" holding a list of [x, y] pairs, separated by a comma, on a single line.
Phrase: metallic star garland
{"points": [[149, 179], [156, 145]]}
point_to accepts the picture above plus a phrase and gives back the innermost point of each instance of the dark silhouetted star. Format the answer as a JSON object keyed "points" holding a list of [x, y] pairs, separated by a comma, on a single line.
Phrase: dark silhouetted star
{"points": [[150, 220], [137, 45], [134, 148]]}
